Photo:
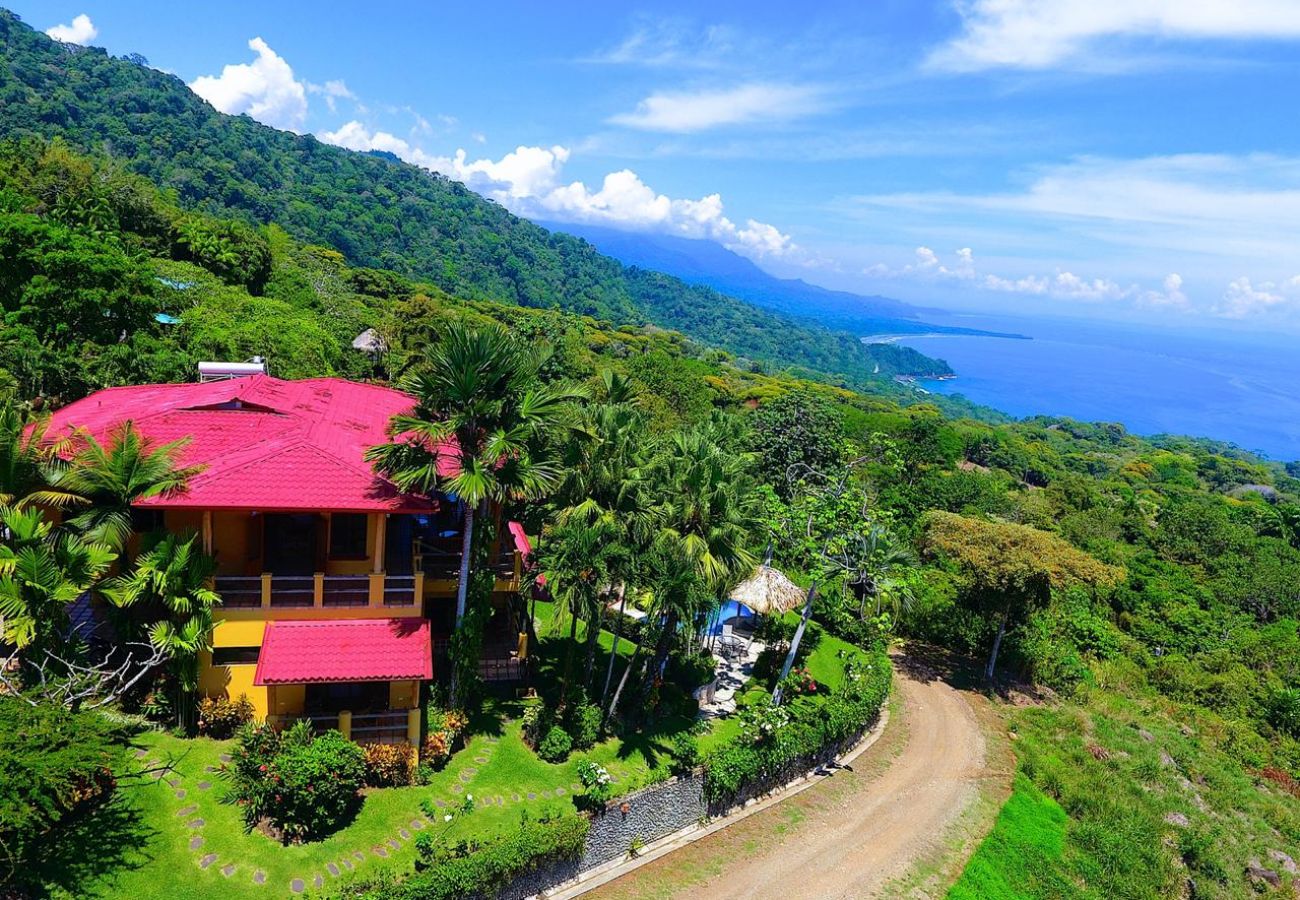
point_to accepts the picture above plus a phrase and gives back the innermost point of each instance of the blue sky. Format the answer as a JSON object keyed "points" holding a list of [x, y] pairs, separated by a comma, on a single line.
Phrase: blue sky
{"points": [[1122, 158]]}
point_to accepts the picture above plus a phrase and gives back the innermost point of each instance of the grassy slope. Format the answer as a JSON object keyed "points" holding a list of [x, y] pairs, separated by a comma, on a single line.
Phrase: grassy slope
{"points": [[1127, 772]]}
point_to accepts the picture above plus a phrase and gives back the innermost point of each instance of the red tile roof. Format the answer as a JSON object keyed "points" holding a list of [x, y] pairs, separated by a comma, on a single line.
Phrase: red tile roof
{"points": [[264, 443], [348, 650]]}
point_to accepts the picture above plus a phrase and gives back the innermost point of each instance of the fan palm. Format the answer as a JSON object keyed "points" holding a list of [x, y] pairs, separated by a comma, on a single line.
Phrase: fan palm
{"points": [[871, 564], [478, 398], [169, 589], [42, 571], [111, 478]]}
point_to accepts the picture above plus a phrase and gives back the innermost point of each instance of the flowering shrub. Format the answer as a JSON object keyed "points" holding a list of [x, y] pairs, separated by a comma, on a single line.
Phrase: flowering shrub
{"points": [[798, 682], [389, 765], [776, 743], [584, 725], [597, 781], [301, 786], [446, 727], [536, 722], [221, 717]]}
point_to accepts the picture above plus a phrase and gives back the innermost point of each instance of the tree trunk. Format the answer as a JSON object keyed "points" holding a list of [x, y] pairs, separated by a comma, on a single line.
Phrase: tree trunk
{"points": [[622, 682], [794, 644], [997, 645], [618, 631], [662, 648], [593, 636], [466, 545]]}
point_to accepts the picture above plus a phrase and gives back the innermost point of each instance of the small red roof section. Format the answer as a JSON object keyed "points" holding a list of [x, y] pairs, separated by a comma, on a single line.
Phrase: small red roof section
{"points": [[345, 650], [264, 443]]}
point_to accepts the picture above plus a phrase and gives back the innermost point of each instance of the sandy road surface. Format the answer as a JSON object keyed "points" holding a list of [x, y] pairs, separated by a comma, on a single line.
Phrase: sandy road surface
{"points": [[854, 833]]}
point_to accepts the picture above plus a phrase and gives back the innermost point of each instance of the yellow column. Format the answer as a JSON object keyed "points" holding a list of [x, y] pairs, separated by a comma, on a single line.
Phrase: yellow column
{"points": [[345, 723], [207, 531], [413, 731], [318, 590], [266, 590], [376, 590], [381, 537], [418, 588]]}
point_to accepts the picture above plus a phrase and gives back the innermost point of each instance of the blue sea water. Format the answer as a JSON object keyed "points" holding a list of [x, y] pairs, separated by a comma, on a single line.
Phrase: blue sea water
{"points": [[1229, 385]]}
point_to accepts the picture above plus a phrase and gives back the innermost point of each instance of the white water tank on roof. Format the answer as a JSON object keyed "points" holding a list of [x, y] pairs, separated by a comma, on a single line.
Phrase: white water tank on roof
{"points": [[218, 371]]}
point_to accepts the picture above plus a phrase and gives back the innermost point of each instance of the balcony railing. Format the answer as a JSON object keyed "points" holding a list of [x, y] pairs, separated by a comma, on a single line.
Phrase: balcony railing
{"points": [[319, 591], [443, 562]]}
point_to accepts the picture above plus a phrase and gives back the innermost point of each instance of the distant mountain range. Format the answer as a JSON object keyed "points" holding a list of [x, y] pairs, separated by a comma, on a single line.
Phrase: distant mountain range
{"points": [[708, 263]]}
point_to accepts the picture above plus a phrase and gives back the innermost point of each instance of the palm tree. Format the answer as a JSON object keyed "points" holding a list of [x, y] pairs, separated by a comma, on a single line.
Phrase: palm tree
{"points": [[169, 588], [708, 508], [110, 479], [871, 564], [29, 460], [479, 399], [42, 570], [575, 560], [605, 486]]}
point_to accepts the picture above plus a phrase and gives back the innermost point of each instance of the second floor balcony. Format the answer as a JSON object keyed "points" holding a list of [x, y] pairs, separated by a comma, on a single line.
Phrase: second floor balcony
{"points": [[376, 590]]}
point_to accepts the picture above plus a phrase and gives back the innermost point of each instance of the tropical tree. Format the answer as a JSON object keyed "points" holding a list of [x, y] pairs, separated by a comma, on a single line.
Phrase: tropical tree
{"points": [[42, 571], [29, 460], [707, 509], [1010, 569], [478, 400], [167, 594], [870, 564], [110, 478]]}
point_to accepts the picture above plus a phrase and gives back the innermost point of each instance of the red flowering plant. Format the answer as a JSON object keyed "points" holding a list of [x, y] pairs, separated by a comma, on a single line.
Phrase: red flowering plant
{"points": [[799, 681], [296, 785]]}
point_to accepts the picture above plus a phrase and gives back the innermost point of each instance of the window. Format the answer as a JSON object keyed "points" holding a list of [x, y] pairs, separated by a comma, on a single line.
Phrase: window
{"points": [[348, 536], [235, 656], [144, 521]]}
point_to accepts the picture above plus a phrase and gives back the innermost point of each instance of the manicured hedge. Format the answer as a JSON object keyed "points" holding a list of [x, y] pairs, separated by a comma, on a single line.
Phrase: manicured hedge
{"points": [[776, 743]]}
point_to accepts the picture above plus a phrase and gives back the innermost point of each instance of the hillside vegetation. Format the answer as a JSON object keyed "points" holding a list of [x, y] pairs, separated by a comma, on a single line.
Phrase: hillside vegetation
{"points": [[382, 213]]}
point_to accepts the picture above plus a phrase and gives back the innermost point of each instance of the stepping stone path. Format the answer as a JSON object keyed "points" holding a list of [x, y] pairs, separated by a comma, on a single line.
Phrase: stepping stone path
{"points": [[259, 877], [207, 860], [318, 881], [297, 886], [180, 793], [141, 753], [204, 785], [225, 757], [404, 834], [515, 798], [332, 869], [417, 824], [392, 842], [196, 842], [381, 852], [187, 810], [358, 856], [228, 869], [481, 760], [211, 769], [347, 864], [440, 803], [195, 823], [532, 796]]}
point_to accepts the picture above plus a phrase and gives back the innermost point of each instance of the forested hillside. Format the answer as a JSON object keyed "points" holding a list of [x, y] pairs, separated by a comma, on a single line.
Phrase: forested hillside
{"points": [[382, 213]]}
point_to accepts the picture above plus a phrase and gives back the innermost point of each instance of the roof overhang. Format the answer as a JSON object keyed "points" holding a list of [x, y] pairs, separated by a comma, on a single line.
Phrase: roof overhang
{"points": [[330, 652]]}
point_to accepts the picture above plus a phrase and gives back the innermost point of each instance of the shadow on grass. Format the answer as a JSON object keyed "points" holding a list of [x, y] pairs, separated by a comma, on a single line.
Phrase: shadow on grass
{"points": [[80, 857]]}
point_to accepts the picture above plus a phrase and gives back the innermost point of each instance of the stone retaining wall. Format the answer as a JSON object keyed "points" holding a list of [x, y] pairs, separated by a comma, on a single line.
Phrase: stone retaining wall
{"points": [[658, 811]]}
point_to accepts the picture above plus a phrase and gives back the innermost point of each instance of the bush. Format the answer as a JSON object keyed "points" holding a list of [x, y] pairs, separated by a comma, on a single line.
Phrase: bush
{"points": [[775, 742], [474, 869], [585, 725], [305, 786], [54, 764], [1284, 711], [536, 721], [597, 782], [389, 765], [556, 745], [221, 717], [685, 753], [446, 728]]}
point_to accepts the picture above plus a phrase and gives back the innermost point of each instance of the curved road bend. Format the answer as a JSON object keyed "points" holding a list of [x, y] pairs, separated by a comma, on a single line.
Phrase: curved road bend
{"points": [[853, 833]]}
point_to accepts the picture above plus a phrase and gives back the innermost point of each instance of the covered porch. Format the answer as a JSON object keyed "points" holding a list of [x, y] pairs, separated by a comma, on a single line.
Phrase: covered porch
{"points": [[360, 676]]}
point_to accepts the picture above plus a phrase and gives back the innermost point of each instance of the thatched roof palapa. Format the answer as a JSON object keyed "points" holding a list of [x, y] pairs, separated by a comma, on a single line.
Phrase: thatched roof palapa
{"points": [[768, 590]]}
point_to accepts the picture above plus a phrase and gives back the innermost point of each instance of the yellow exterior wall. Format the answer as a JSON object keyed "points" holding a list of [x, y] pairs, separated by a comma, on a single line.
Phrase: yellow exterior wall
{"points": [[231, 681], [287, 699], [403, 694]]}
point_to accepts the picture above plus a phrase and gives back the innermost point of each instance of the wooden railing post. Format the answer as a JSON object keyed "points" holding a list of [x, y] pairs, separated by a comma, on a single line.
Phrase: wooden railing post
{"points": [[417, 588], [377, 589], [318, 590], [266, 590], [345, 723]]}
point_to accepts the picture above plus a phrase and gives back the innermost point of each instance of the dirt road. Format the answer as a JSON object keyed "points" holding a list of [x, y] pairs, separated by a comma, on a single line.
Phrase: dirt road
{"points": [[900, 824]]}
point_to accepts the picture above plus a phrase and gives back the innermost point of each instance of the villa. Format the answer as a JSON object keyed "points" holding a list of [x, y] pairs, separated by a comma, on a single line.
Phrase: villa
{"points": [[338, 589]]}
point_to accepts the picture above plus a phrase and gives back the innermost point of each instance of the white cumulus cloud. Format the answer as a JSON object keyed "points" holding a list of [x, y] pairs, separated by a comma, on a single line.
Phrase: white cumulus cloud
{"points": [[529, 181], [1037, 34], [265, 89], [333, 90], [690, 111], [1242, 299], [79, 31]]}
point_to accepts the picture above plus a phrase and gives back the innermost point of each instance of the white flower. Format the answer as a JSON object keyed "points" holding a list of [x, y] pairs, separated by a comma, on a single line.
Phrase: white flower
{"points": [[447, 818], [469, 796]]}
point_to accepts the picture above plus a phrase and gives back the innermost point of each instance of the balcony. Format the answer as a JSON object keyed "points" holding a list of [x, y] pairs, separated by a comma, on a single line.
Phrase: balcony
{"points": [[440, 561], [320, 591]]}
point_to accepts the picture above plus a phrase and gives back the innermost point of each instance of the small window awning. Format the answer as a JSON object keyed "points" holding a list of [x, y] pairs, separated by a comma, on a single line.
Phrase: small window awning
{"points": [[347, 650]]}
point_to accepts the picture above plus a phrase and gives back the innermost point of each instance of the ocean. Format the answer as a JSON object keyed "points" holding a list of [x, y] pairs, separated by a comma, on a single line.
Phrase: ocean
{"points": [[1228, 385]]}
